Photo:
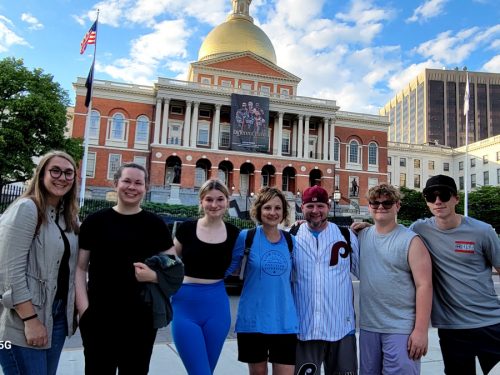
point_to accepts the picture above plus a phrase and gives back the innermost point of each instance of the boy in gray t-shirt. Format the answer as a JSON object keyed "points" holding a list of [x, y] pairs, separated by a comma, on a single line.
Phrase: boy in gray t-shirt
{"points": [[395, 290], [466, 309]]}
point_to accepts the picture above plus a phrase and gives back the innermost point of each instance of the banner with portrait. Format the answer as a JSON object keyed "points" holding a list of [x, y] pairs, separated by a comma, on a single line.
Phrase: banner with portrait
{"points": [[249, 123]]}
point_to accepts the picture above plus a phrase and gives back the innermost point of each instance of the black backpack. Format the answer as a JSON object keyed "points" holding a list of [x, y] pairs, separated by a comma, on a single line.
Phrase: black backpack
{"points": [[248, 246]]}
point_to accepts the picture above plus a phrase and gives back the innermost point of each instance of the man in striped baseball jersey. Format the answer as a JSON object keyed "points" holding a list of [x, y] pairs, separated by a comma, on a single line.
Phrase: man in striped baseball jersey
{"points": [[323, 291]]}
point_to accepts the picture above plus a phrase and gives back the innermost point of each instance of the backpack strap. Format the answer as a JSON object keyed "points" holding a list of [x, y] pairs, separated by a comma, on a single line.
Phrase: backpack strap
{"points": [[294, 229], [289, 241], [246, 252]]}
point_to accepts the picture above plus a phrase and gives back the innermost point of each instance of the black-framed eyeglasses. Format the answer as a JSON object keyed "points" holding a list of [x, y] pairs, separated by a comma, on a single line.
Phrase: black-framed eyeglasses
{"points": [[69, 174], [385, 204], [444, 196]]}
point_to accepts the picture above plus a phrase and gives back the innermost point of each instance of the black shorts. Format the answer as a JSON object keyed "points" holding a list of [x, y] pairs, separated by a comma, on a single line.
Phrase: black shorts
{"points": [[260, 347]]}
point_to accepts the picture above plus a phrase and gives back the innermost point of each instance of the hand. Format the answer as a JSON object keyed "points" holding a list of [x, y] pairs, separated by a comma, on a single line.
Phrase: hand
{"points": [[35, 333], [417, 344], [357, 226], [144, 274]]}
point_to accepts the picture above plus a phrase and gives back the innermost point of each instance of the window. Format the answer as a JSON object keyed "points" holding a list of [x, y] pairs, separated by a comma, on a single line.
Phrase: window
{"points": [[416, 163], [246, 87], [402, 179], [200, 176], [114, 162], [206, 113], [224, 136], [95, 120], [416, 181], [174, 134], [90, 172], [460, 165], [389, 160], [226, 83], [265, 90], [498, 155], [372, 154], [203, 135], [486, 178], [353, 153], [285, 93], [473, 180], [498, 176], [431, 165], [285, 142], [117, 127], [205, 81], [402, 162], [461, 182], [177, 109], [142, 129], [446, 167], [336, 149], [485, 159], [141, 160], [472, 162]]}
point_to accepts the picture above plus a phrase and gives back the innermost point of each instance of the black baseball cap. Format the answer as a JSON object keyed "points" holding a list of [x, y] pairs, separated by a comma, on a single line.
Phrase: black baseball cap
{"points": [[439, 182]]}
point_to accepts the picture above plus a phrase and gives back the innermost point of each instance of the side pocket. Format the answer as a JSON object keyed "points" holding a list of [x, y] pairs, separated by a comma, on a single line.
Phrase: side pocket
{"points": [[38, 290]]}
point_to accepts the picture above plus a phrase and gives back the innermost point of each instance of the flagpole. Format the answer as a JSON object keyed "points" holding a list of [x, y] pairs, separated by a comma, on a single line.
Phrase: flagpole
{"points": [[466, 169], [87, 124]]}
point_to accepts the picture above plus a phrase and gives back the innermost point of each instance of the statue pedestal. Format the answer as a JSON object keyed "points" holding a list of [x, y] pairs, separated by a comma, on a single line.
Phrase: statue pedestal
{"points": [[174, 194]]}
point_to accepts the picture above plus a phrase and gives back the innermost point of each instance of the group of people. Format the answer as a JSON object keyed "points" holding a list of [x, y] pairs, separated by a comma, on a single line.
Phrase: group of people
{"points": [[250, 118], [120, 276]]}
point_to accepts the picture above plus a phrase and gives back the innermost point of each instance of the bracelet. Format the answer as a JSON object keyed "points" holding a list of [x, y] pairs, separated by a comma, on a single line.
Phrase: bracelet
{"points": [[29, 317]]}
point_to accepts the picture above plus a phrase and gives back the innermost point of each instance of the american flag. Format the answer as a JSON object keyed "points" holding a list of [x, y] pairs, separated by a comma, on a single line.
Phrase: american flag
{"points": [[89, 38]]}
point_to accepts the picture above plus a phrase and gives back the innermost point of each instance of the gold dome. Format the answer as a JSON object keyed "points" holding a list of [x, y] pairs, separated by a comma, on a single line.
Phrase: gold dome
{"points": [[237, 34]]}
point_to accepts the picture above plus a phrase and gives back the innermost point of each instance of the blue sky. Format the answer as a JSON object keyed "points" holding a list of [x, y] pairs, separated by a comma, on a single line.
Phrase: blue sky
{"points": [[357, 52]]}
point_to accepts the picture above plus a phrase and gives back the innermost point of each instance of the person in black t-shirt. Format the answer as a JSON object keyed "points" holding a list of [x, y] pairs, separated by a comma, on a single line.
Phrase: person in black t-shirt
{"points": [[115, 323], [202, 316]]}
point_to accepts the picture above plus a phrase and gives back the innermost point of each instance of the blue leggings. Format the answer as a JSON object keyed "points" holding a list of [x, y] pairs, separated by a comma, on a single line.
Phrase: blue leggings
{"points": [[200, 325]]}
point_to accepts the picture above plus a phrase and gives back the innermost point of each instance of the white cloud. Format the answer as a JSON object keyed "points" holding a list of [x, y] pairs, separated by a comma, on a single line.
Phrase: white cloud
{"points": [[32, 21], [8, 37], [429, 9], [492, 66]]}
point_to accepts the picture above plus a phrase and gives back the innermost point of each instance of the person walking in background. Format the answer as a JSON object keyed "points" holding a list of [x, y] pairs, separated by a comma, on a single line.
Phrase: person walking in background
{"points": [[323, 291], [466, 309], [266, 323], [38, 250], [201, 307], [116, 324], [395, 292]]}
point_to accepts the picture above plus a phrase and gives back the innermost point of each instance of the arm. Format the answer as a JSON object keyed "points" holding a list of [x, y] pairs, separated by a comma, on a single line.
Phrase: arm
{"points": [[82, 265], [238, 250], [421, 268], [357, 226]]}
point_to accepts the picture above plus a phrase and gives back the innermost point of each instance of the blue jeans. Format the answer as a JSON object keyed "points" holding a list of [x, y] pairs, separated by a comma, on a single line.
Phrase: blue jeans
{"points": [[19, 360]]}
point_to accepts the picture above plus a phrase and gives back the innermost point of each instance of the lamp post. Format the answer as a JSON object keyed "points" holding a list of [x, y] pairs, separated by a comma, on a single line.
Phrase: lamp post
{"points": [[336, 199]]}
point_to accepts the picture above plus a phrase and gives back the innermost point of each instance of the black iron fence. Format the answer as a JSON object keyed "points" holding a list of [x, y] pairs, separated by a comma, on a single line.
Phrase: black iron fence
{"points": [[9, 193]]}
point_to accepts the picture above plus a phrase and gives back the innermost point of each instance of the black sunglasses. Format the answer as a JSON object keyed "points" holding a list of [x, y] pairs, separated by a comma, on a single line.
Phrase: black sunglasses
{"points": [[444, 196], [385, 204]]}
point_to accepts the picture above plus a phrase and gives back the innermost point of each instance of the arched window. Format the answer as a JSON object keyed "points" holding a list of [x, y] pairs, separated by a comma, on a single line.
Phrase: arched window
{"points": [[354, 153], [142, 129], [95, 120], [336, 149], [118, 127], [372, 154]]}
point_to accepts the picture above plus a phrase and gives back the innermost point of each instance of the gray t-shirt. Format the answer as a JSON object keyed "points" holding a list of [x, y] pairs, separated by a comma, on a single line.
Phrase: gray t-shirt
{"points": [[464, 294], [386, 289]]}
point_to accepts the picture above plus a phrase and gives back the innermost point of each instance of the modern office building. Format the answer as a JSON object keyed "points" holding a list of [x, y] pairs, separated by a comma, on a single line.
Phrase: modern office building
{"points": [[430, 109], [237, 117]]}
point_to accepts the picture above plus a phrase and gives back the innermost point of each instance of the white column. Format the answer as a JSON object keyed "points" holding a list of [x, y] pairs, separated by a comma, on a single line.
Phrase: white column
{"points": [[275, 137], [216, 128], [187, 124], [157, 121], [300, 136], [194, 124], [326, 138], [164, 123], [280, 132], [332, 138], [294, 138], [306, 138]]}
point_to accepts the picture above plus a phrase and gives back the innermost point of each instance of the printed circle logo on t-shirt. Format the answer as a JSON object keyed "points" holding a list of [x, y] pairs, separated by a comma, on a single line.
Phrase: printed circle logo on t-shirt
{"points": [[274, 263]]}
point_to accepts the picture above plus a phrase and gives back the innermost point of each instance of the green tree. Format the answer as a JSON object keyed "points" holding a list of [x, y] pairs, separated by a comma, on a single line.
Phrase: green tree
{"points": [[32, 120], [484, 205], [413, 206]]}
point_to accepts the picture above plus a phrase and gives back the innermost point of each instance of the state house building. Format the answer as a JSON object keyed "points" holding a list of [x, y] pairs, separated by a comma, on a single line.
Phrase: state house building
{"points": [[238, 118]]}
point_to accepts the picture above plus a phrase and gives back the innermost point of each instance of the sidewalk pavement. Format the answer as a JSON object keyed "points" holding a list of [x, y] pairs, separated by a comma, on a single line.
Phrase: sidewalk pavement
{"points": [[165, 360]]}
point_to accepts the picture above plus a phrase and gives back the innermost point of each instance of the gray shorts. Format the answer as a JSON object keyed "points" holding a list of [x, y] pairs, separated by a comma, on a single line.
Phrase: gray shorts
{"points": [[385, 353], [338, 357]]}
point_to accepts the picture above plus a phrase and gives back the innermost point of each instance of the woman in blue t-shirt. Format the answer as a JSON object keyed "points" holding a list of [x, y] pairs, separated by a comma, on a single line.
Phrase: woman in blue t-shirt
{"points": [[267, 323], [202, 315]]}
